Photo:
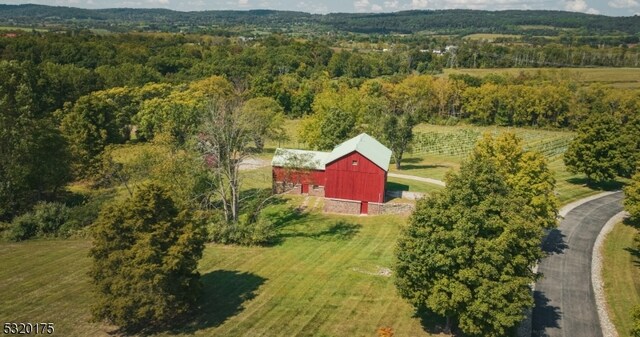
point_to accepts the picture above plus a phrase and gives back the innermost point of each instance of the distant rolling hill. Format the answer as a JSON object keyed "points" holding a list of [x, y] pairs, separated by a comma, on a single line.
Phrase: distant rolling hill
{"points": [[437, 21]]}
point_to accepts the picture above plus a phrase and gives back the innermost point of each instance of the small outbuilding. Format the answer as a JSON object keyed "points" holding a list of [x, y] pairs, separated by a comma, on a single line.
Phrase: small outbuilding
{"points": [[350, 177]]}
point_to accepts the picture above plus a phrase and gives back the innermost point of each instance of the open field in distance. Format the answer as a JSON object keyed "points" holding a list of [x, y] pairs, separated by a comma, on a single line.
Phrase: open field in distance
{"points": [[617, 77]]}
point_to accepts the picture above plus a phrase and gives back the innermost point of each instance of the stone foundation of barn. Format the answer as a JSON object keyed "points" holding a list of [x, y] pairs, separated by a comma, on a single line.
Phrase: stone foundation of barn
{"points": [[374, 208], [279, 187], [390, 208], [314, 191], [342, 206]]}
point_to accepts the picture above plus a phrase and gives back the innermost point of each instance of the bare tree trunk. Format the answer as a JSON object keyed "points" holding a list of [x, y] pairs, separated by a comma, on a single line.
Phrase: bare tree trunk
{"points": [[447, 327], [398, 159]]}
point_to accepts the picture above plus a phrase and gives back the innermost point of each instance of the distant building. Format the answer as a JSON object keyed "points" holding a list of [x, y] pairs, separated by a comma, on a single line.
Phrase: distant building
{"points": [[350, 177]]}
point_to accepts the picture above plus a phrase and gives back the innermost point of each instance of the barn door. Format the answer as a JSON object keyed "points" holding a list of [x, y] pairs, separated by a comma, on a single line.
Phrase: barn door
{"points": [[364, 207], [305, 188]]}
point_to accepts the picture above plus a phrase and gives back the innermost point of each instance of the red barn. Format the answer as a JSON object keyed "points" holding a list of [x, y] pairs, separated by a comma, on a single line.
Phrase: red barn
{"points": [[350, 177]]}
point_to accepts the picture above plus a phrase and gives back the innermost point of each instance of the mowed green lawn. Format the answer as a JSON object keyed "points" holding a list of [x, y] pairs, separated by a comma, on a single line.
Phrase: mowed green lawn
{"points": [[621, 275], [325, 277]]}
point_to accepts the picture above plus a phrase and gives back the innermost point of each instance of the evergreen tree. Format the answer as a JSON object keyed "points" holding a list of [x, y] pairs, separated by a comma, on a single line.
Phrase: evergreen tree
{"points": [[145, 256], [468, 251]]}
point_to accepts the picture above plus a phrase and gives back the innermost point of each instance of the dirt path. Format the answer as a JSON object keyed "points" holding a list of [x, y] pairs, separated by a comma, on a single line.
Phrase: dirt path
{"points": [[254, 163], [416, 178]]}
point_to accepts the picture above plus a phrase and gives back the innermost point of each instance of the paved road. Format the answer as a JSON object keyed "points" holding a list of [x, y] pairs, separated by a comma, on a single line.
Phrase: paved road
{"points": [[564, 299]]}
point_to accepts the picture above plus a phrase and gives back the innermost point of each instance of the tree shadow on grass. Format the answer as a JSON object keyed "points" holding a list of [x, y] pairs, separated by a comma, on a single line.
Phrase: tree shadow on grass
{"points": [[294, 223], [431, 322], [406, 167], [544, 315], [224, 293], [554, 242], [635, 250], [391, 186], [612, 185]]}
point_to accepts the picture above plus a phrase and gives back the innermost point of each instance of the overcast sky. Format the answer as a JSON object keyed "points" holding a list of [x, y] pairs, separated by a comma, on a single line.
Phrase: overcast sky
{"points": [[606, 7]]}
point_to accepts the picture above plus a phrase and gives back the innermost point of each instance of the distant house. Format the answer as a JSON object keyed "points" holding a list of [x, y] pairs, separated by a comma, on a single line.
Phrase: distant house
{"points": [[350, 177]]}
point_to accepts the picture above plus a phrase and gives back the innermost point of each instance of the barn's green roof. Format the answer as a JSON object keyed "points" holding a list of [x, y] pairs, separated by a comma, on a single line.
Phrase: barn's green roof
{"points": [[363, 144], [366, 146], [299, 158]]}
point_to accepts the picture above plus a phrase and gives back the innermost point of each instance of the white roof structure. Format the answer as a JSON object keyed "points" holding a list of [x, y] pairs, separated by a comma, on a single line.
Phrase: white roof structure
{"points": [[299, 158], [363, 144], [366, 146]]}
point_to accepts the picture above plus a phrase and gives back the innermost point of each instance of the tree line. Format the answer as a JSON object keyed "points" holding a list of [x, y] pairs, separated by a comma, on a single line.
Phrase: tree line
{"points": [[456, 21], [65, 111]]}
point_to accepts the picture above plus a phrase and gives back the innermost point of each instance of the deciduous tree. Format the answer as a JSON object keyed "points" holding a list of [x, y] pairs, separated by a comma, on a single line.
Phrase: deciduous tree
{"points": [[468, 251], [632, 198], [594, 150]]}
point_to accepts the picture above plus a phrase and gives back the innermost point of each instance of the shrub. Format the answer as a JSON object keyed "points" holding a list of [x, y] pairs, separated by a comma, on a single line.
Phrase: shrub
{"points": [[635, 329], [46, 219], [260, 232], [23, 227], [50, 216]]}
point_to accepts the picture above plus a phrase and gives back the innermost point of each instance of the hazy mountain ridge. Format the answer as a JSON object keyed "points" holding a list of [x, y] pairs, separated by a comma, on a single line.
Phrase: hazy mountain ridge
{"points": [[444, 21]]}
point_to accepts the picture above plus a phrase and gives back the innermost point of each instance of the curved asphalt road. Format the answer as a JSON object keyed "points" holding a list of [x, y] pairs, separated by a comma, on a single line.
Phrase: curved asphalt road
{"points": [[564, 300]]}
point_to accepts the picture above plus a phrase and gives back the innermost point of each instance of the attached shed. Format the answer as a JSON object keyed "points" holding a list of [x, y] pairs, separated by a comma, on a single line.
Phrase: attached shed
{"points": [[300, 171], [350, 177]]}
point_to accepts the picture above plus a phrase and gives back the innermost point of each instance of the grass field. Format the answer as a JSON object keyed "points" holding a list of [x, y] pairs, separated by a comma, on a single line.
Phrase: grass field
{"points": [[327, 276], [621, 274], [490, 37], [24, 29], [447, 146], [617, 77]]}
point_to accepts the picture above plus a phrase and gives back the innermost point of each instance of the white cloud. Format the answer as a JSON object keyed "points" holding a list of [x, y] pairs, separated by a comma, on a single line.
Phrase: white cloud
{"points": [[579, 6], [576, 5], [312, 7], [391, 4], [417, 4], [129, 4], [90, 2], [159, 2], [376, 8], [467, 4], [361, 5], [243, 3], [623, 3]]}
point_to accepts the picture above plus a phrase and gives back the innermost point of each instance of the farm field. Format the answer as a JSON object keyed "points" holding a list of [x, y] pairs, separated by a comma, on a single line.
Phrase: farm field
{"points": [[617, 77], [489, 37], [326, 276], [438, 149], [621, 275]]}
